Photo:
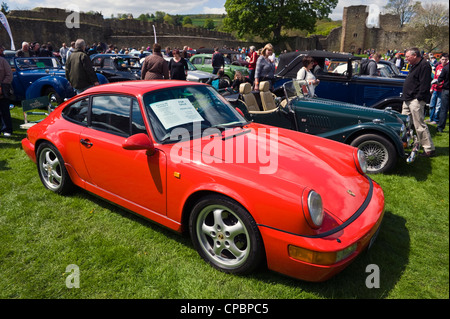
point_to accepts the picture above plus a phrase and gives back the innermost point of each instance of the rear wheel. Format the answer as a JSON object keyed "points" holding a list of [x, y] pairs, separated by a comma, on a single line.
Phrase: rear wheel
{"points": [[52, 170], [379, 152], [225, 235]]}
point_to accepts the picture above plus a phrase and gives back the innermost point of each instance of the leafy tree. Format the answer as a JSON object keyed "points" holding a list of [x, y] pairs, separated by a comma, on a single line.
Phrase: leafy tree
{"points": [[5, 8], [266, 18], [430, 26], [209, 24], [403, 8], [159, 16], [168, 19], [142, 17], [187, 20]]}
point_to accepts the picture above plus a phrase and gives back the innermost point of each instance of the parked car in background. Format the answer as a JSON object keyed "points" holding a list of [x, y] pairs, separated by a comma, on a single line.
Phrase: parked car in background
{"points": [[194, 74], [231, 56], [117, 67], [383, 135], [166, 150], [203, 62], [340, 80], [38, 76]]}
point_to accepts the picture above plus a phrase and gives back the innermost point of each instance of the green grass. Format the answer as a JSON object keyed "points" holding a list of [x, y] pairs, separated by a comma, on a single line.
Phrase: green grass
{"points": [[123, 256]]}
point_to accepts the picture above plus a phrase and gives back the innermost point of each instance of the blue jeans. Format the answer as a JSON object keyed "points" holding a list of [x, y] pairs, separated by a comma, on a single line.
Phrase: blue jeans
{"points": [[435, 105]]}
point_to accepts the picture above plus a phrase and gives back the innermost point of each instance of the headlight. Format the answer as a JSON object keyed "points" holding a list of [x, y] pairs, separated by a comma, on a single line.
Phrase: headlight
{"points": [[313, 208], [360, 161], [402, 131], [408, 121]]}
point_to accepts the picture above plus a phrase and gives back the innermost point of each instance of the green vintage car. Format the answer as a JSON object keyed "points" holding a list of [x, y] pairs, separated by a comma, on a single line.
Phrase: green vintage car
{"points": [[383, 135], [203, 61]]}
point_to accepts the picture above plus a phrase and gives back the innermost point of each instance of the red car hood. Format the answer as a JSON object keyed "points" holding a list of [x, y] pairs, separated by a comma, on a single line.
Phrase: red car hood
{"points": [[294, 159]]}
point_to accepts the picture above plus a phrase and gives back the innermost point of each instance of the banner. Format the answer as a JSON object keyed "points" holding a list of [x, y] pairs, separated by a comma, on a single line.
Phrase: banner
{"points": [[8, 29]]}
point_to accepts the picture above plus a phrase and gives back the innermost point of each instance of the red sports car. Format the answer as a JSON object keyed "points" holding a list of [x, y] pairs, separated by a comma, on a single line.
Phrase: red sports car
{"points": [[177, 153]]}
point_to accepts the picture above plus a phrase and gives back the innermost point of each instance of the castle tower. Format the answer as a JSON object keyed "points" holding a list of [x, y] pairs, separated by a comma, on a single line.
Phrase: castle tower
{"points": [[353, 28]]}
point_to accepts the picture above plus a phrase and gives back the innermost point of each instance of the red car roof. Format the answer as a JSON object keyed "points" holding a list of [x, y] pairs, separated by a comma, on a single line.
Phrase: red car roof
{"points": [[138, 87]]}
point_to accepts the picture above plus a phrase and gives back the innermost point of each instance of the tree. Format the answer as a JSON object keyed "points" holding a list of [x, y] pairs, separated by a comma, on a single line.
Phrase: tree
{"points": [[403, 8], [266, 18], [209, 24], [168, 19], [159, 16], [5, 8], [430, 26], [187, 21]]}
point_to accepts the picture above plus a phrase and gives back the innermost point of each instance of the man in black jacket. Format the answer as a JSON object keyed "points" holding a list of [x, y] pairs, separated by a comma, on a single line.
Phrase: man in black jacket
{"points": [[443, 77], [218, 61], [416, 93], [79, 69]]}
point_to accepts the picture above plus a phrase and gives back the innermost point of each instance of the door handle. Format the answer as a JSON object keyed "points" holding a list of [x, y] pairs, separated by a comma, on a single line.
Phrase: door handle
{"points": [[86, 143]]}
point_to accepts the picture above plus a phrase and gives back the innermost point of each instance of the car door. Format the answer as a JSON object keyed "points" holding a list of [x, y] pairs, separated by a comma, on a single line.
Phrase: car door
{"points": [[336, 84], [129, 175]]}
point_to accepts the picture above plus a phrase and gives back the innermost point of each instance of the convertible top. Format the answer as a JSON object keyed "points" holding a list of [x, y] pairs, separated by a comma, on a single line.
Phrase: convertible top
{"points": [[291, 62]]}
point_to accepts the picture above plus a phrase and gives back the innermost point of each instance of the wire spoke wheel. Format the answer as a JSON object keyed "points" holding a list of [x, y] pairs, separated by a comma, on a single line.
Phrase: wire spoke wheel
{"points": [[380, 153]]}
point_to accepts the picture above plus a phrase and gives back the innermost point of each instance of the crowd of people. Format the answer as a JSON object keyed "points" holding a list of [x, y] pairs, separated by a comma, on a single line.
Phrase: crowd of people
{"points": [[418, 89]]}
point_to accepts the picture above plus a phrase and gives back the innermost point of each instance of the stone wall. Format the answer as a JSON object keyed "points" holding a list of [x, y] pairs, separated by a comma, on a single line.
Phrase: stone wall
{"points": [[49, 25]]}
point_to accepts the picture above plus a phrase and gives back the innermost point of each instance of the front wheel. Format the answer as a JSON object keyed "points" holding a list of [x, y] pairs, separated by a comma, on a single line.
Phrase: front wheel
{"points": [[225, 235], [52, 170], [379, 152]]}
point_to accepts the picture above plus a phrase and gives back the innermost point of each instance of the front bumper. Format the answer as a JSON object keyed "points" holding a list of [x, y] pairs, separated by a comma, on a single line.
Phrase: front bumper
{"points": [[358, 235]]}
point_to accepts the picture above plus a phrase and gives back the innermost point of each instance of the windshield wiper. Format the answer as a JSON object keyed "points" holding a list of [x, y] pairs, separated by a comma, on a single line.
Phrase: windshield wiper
{"points": [[229, 125]]}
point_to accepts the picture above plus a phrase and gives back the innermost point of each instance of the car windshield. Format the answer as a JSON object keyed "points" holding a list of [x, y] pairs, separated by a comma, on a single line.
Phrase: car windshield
{"points": [[37, 63], [189, 110], [127, 63], [191, 67], [295, 88]]}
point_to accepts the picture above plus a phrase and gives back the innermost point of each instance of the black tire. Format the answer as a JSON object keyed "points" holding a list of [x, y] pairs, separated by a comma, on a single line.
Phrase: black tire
{"points": [[380, 154], [52, 171], [225, 235], [53, 96]]}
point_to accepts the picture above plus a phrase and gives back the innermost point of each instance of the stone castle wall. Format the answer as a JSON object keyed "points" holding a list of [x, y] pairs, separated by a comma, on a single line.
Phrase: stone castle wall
{"points": [[49, 25]]}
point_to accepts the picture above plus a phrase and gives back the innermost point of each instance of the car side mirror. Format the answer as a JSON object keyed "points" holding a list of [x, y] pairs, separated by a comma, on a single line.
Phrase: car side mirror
{"points": [[139, 141]]}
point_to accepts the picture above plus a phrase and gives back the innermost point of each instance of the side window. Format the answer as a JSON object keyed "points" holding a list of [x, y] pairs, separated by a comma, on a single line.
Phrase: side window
{"points": [[197, 61], [77, 112], [208, 60], [108, 64], [111, 113], [97, 62], [137, 122]]}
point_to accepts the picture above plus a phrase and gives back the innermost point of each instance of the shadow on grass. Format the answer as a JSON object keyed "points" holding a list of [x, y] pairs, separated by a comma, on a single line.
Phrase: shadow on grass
{"points": [[390, 253], [421, 168]]}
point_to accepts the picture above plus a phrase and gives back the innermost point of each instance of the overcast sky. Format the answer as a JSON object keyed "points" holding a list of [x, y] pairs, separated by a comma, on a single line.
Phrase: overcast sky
{"points": [[136, 7]]}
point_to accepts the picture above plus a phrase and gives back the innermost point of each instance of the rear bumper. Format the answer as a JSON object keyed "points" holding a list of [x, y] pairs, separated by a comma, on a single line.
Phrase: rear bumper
{"points": [[360, 233], [29, 149]]}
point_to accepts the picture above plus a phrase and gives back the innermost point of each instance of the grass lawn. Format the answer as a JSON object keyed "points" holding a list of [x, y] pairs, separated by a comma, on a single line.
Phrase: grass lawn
{"points": [[120, 255]]}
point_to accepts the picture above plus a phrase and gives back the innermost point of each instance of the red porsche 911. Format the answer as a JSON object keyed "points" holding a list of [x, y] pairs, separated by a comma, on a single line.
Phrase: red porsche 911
{"points": [[177, 153]]}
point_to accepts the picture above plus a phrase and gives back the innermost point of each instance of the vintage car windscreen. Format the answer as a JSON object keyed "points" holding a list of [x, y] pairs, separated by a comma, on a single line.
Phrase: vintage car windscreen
{"points": [[37, 63], [193, 108], [295, 88], [126, 63]]}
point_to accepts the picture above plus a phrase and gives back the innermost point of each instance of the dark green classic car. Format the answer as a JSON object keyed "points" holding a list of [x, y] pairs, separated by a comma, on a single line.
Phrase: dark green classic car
{"points": [[383, 135]]}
